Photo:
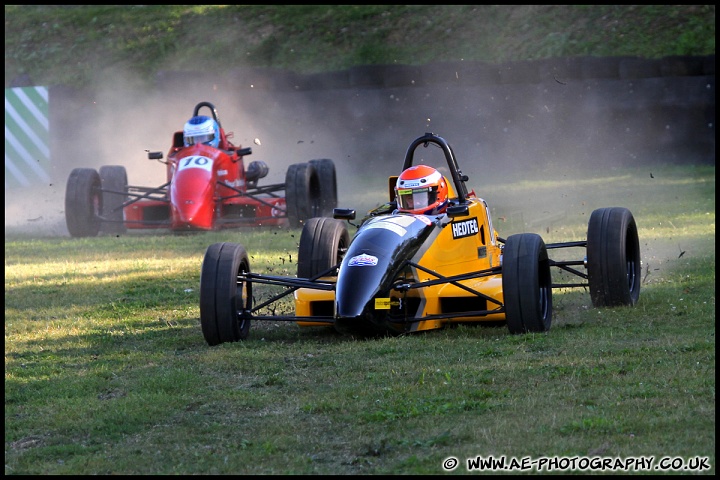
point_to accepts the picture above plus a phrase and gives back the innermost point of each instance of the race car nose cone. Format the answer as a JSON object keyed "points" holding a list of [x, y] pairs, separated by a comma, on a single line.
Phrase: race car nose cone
{"points": [[193, 216], [187, 212], [192, 199], [351, 299]]}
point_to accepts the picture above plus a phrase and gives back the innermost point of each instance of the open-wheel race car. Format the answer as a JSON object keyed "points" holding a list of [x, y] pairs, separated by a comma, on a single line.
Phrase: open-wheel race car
{"points": [[208, 188], [404, 272]]}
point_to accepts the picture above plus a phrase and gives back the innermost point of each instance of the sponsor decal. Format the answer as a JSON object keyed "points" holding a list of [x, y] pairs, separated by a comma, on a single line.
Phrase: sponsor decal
{"points": [[397, 229], [386, 303], [278, 210], [382, 304], [466, 228], [363, 260], [424, 219], [396, 224], [482, 252], [403, 220], [222, 173]]}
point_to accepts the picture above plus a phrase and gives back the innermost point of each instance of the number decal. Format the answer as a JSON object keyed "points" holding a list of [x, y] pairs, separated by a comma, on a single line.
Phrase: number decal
{"points": [[195, 162]]}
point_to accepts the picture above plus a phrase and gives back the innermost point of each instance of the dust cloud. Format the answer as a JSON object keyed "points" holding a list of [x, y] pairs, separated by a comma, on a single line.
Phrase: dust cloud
{"points": [[501, 135]]}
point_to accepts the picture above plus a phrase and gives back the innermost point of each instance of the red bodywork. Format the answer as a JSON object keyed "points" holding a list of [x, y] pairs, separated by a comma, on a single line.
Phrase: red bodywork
{"points": [[206, 189]]}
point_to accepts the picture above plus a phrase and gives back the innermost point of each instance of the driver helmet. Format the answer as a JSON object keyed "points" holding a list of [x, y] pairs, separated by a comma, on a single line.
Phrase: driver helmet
{"points": [[201, 129], [421, 190]]}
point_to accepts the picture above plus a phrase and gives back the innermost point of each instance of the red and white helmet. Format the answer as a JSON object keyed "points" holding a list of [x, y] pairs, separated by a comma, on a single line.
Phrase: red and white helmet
{"points": [[421, 190]]}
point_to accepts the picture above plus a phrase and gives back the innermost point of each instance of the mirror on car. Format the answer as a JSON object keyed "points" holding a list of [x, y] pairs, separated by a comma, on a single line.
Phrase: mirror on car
{"points": [[457, 211], [344, 213]]}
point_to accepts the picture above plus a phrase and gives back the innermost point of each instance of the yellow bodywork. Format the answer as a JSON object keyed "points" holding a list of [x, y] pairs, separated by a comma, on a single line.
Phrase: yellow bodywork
{"points": [[305, 298], [455, 256], [460, 247]]}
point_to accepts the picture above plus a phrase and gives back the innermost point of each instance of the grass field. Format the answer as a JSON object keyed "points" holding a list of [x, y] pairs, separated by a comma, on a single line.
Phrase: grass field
{"points": [[106, 369], [107, 372]]}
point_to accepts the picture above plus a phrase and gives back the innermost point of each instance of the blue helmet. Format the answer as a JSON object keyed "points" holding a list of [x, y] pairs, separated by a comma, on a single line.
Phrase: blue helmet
{"points": [[201, 129]]}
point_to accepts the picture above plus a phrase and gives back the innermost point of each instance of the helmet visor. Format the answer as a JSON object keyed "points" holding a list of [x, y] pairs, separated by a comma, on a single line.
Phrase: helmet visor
{"points": [[206, 139], [416, 199]]}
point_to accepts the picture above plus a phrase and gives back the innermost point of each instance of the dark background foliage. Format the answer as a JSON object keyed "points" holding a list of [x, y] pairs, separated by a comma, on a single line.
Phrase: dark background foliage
{"points": [[83, 44]]}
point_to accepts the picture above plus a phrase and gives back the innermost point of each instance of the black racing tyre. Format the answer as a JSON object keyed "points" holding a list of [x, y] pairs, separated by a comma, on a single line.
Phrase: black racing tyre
{"points": [[323, 244], [302, 193], [222, 296], [613, 258], [113, 179], [327, 177], [83, 203], [527, 286]]}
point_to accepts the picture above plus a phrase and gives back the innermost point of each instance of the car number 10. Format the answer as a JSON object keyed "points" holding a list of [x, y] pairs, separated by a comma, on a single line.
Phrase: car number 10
{"points": [[195, 162]]}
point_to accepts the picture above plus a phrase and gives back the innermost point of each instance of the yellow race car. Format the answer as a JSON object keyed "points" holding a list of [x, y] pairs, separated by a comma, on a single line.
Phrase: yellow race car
{"points": [[403, 272]]}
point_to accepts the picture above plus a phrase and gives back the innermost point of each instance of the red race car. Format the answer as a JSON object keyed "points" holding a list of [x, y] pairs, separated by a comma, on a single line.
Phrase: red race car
{"points": [[208, 188]]}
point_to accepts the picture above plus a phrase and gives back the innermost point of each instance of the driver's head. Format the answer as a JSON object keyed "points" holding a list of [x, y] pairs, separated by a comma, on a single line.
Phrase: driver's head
{"points": [[421, 190], [201, 129]]}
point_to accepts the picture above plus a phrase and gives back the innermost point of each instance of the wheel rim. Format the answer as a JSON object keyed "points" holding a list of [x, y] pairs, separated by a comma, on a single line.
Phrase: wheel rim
{"points": [[632, 260], [243, 291], [631, 275], [544, 303], [242, 303], [632, 268], [97, 209]]}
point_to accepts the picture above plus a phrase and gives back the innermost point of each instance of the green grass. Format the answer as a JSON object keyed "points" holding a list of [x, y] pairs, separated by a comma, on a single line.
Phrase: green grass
{"points": [[86, 44], [107, 372]]}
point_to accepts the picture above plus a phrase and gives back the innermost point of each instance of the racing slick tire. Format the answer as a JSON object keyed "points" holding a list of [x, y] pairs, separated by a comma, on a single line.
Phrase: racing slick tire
{"points": [[327, 177], [113, 178], [527, 284], [83, 203], [302, 193], [323, 244], [613, 258], [222, 297]]}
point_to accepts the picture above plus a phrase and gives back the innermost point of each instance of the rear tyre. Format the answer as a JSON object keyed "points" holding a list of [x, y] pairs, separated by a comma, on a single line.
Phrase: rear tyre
{"points": [[613, 258], [527, 286], [83, 203], [302, 193], [114, 183], [323, 244], [222, 297], [328, 185]]}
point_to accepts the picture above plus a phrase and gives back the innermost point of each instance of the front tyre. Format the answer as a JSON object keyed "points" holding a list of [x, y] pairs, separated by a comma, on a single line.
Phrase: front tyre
{"points": [[527, 286], [302, 193], [113, 179], [83, 202], [327, 178], [613, 258], [323, 244], [224, 298]]}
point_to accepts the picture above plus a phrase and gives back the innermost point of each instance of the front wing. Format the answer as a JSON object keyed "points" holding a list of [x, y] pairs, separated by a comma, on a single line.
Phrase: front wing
{"points": [[314, 298], [463, 298], [150, 207]]}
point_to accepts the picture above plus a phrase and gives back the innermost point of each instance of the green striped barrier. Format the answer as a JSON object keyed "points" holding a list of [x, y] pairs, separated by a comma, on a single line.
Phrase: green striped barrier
{"points": [[27, 137]]}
